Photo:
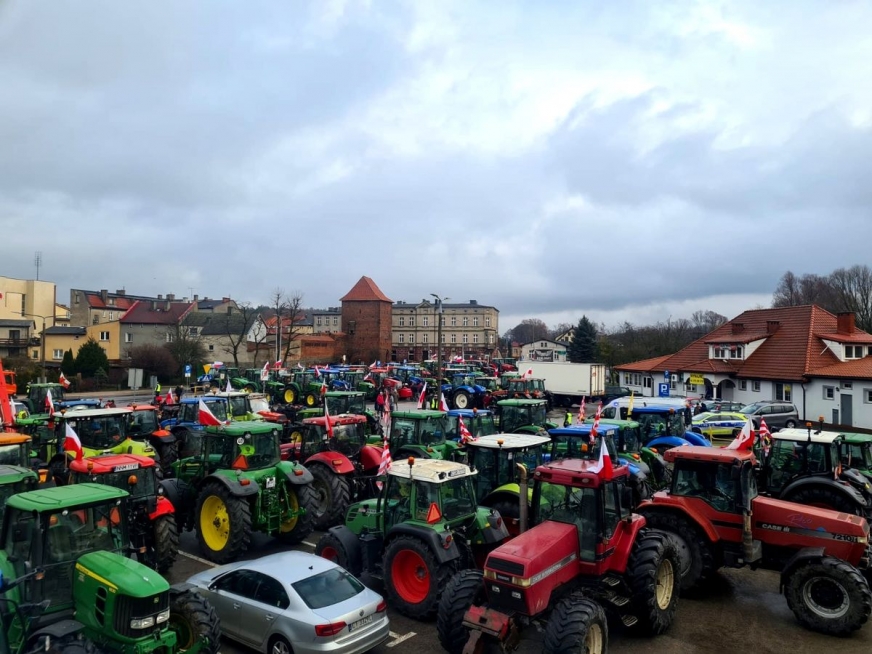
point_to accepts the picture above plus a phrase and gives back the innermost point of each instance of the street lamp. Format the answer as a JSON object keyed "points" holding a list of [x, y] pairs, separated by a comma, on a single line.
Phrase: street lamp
{"points": [[41, 337], [439, 301]]}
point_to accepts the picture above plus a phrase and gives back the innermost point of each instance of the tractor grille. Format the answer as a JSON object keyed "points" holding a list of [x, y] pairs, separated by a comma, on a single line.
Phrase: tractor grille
{"points": [[128, 608], [509, 567]]}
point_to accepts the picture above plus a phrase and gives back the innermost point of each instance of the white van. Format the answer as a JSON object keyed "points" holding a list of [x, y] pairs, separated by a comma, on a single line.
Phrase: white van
{"points": [[612, 410]]}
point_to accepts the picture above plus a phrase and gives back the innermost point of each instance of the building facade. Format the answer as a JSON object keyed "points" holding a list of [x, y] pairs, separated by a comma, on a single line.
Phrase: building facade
{"points": [[543, 350], [326, 321], [21, 299], [366, 322], [468, 329], [60, 339]]}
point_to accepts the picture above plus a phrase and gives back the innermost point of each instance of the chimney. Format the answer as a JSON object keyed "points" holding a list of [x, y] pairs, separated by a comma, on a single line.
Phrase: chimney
{"points": [[737, 327], [120, 292], [196, 297], [159, 296], [845, 322], [473, 301], [154, 305], [772, 326], [168, 304], [104, 295], [225, 300], [171, 297]]}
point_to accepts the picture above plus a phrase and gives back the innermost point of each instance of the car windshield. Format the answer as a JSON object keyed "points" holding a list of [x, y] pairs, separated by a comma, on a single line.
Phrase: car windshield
{"points": [[458, 498], [327, 588], [14, 455], [142, 422], [99, 432]]}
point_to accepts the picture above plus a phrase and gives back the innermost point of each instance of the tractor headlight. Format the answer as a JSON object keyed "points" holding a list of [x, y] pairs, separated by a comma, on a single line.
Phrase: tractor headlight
{"points": [[142, 623], [163, 616]]}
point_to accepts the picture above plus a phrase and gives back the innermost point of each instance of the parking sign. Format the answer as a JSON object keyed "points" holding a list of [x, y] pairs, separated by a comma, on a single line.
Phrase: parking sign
{"points": [[663, 390], [187, 370]]}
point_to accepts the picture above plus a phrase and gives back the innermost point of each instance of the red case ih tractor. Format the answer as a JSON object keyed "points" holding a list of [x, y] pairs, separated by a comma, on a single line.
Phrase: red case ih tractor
{"points": [[716, 518], [587, 553]]}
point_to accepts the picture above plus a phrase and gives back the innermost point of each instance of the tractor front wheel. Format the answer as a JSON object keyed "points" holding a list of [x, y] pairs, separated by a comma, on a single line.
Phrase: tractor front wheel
{"points": [[193, 618], [461, 400], [311, 399], [578, 624], [334, 496], [332, 549], [414, 579], [653, 576], [829, 596], [302, 501], [167, 455], [465, 589], [223, 523], [695, 557], [290, 396], [166, 542]]}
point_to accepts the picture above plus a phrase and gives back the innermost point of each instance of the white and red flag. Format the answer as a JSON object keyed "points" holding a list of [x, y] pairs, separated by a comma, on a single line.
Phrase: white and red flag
{"points": [[206, 417], [64, 381], [603, 467], [465, 435], [745, 439], [596, 420], [72, 442]]}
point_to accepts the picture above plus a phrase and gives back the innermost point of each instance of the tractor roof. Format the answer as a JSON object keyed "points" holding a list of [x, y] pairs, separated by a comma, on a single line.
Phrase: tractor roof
{"points": [[241, 427], [94, 413], [230, 394], [584, 430], [101, 465], [344, 393], [430, 470], [509, 441], [417, 415], [469, 413], [575, 472], [521, 402], [656, 409], [13, 438], [616, 422], [340, 419], [797, 434], [211, 397], [48, 385], [856, 437], [142, 407], [13, 474], [64, 497], [704, 453]]}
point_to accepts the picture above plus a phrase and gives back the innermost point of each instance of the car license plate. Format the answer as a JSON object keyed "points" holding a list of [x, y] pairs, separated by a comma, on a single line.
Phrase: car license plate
{"points": [[361, 623], [270, 482]]}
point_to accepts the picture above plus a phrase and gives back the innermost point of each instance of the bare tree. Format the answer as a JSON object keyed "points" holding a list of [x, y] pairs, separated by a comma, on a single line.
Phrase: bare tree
{"points": [[853, 290], [235, 326], [289, 314], [793, 291], [185, 348], [530, 329], [560, 328], [706, 321]]}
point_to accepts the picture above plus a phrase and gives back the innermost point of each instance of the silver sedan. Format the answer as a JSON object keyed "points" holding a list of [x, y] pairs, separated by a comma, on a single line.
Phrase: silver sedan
{"points": [[295, 602]]}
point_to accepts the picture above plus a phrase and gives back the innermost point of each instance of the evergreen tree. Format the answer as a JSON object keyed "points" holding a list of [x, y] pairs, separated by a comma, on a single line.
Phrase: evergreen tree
{"points": [[68, 365], [91, 358], [583, 348]]}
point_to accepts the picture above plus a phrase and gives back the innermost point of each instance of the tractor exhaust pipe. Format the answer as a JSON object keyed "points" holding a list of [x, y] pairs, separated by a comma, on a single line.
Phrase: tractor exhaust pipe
{"points": [[522, 498]]}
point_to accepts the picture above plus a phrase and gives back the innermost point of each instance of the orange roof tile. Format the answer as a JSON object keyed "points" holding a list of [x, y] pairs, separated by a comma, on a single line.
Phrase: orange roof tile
{"points": [[853, 369], [856, 337], [645, 365], [365, 290]]}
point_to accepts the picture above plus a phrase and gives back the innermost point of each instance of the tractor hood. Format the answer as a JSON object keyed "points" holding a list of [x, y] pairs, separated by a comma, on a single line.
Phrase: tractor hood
{"points": [[809, 522], [115, 571]]}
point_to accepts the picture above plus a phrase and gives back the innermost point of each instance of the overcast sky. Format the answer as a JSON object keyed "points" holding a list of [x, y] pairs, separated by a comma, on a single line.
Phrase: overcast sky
{"points": [[624, 160]]}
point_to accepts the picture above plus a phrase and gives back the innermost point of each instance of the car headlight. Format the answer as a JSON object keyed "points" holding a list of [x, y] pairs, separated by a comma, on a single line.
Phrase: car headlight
{"points": [[142, 623], [163, 616]]}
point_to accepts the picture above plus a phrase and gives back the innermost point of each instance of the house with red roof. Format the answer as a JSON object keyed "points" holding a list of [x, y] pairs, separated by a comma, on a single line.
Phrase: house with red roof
{"points": [[145, 322], [819, 361]]}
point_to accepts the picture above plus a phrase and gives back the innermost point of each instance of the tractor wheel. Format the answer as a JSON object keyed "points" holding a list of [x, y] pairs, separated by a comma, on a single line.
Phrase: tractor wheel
{"points": [[223, 523], [414, 579], [510, 512], [334, 496], [166, 542], [289, 396], [465, 589], [332, 549], [653, 575], [249, 388], [296, 436], [311, 400], [577, 624], [461, 400], [824, 498], [829, 596], [294, 530], [168, 454], [192, 617], [696, 560]]}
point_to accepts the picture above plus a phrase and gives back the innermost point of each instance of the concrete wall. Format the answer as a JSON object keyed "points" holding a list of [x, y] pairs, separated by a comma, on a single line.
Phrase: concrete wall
{"points": [[109, 341], [28, 296]]}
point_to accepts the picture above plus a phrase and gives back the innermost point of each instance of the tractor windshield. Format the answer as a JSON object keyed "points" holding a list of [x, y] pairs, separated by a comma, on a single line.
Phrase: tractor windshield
{"points": [[346, 404], [857, 455], [661, 424], [574, 506], [139, 483], [256, 451], [424, 431], [570, 446], [37, 397], [15, 454], [99, 432], [458, 498], [497, 467], [515, 417], [536, 385], [239, 405], [218, 409], [347, 439], [143, 423]]}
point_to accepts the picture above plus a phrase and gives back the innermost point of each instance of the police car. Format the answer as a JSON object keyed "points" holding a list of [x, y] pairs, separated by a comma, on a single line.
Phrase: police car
{"points": [[714, 424]]}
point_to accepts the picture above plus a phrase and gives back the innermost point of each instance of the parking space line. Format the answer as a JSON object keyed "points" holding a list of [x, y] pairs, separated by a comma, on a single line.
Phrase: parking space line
{"points": [[198, 559], [397, 638]]}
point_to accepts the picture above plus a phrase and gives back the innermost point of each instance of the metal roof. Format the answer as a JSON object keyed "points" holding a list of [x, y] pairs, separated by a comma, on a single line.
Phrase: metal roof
{"points": [[509, 441], [96, 413], [430, 470], [797, 434]]}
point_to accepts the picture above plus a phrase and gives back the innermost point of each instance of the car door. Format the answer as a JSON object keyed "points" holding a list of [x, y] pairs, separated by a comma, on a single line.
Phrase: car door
{"points": [[271, 601], [230, 594]]}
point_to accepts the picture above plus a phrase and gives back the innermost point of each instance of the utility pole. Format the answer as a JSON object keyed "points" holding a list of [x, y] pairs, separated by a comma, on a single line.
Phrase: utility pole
{"points": [[439, 313]]}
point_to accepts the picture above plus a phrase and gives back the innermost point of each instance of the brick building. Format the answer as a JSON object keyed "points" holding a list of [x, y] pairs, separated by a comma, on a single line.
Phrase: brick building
{"points": [[366, 321]]}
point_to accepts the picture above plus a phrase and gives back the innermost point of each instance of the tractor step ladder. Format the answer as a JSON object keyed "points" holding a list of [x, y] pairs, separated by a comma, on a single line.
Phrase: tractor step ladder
{"points": [[611, 581], [629, 620], [617, 600]]}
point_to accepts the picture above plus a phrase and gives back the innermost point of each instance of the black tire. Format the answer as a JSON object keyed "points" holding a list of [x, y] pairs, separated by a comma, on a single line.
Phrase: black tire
{"points": [[168, 454], [464, 589], [813, 589], [279, 645], [192, 617], [331, 548], [334, 496], [577, 624], [238, 523], [653, 576], [461, 400], [790, 424], [166, 542], [69, 645], [307, 499], [696, 558], [824, 497], [423, 603]]}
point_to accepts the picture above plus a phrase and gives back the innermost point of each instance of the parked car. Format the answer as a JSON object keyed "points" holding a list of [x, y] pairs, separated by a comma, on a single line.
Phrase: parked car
{"points": [[715, 406], [295, 602], [778, 415], [719, 424]]}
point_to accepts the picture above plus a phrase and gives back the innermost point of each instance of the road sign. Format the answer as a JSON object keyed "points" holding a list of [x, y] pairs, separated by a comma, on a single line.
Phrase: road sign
{"points": [[666, 375], [187, 370], [663, 390]]}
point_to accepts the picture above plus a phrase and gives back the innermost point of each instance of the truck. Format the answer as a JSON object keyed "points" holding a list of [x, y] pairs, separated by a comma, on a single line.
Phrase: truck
{"points": [[569, 382]]}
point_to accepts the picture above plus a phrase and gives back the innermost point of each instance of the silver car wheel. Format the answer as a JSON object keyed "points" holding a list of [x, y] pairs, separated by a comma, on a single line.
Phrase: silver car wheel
{"points": [[280, 646]]}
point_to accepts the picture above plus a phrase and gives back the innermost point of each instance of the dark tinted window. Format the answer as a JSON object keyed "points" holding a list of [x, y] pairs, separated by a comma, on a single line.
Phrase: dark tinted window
{"points": [[328, 588], [272, 593], [239, 582]]}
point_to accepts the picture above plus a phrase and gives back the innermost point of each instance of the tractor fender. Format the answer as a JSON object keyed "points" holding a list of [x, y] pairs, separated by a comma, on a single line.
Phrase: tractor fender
{"points": [[429, 536], [666, 441], [290, 470], [169, 423], [370, 456], [58, 630], [845, 489], [350, 541], [338, 463], [182, 496], [802, 557], [696, 439], [694, 518], [233, 485], [164, 507], [163, 436]]}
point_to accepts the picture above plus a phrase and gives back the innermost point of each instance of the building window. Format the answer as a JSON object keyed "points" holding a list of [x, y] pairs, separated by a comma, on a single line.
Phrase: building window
{"points": [[402, 336], [411, 339], [170, 338], [628, 378], [736, 353], [402, 321], [453, 338], [442, 320], [335, 321], [475, 321], [424, 338], [637, 379], [465, 321], [783, 392], [755, 386], [193, 331], [475, 338], [104, 336], [34, 354], [847, 385], [829, 392], [867, 395], [211, 348], [426, 320], [649, 383], [487, 324], [490, 339], [443, 338], [466, 337], [95, 320], [743, 385], [318, 320], [411, 321], [854, 351], [57, 355], [454, 321]]}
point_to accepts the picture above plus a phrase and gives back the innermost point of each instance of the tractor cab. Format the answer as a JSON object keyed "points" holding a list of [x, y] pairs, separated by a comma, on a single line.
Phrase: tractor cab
{"points": [[186, 425], [128, 472], [857, 452], [663, 426], [241, 446], [479, 423], [349, 436], [527, 387], [723, 479], [422, 434], [239, 405], [36, 396], [353, 402], [15, 449], [579, 442], [143, 421], [16, 475], [522, 415], [100, 431]]}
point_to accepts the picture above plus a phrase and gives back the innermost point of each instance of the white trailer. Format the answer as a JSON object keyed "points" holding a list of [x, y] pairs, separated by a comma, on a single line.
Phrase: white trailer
{"points": [[568, 382]]}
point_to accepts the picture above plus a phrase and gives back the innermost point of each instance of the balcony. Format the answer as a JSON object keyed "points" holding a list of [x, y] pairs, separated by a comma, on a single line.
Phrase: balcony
{"points": [[18, 342]]}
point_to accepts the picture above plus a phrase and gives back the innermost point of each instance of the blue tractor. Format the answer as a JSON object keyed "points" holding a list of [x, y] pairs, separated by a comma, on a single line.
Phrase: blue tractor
{"points": [[463, 392], [664, 428]]}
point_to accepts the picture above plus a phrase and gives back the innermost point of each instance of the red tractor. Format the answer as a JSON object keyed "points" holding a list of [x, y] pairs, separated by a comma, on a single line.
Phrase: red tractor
{"points": [[154, 535], [587, 553], [716, 519], [144, 426]]}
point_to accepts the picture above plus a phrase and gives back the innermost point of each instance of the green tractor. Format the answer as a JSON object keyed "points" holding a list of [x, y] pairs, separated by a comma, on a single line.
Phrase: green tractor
{"points": [[422, 434], [239, 405], [235, 484], [35, 400], [304, 387], [522, 416], [16, 475], [423, 526], [65, 555], [237, 379], [857, 452]]}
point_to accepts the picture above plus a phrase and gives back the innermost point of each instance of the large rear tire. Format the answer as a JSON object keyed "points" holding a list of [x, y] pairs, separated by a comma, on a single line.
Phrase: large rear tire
{"points": [[295, 529], [167, 455], [577, 624], [192, 617], [465, 589], [331, 548], [696, 560], [829, 596], [334, 495], [653, 576], [414, 579], [461, 400], [166, 542], [223, 523]]}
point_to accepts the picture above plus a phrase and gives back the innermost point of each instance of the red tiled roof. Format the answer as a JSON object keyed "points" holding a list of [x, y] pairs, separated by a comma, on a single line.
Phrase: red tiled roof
{"points": [[142, 313], [856, 337], [853, 369], [645, 365], [95, 301], [365, 290], [736, 338]]}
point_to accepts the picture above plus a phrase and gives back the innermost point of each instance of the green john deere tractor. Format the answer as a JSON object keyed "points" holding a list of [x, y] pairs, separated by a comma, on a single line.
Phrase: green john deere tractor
{"points": [[234, 484], [523, 416], [424, 525], [16, 475], [239, 405], [35, 400], [66, 575], [422, 434], [857, 452]]}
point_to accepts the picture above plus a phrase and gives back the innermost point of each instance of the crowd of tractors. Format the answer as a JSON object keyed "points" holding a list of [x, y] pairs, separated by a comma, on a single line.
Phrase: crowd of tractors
{"points": [[465, 503]]}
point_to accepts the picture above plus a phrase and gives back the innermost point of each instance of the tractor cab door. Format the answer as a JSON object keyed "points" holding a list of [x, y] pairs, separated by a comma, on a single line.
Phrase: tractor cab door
{"points": [[713, 483], [313, 440], [786, 460], [398, 501]]}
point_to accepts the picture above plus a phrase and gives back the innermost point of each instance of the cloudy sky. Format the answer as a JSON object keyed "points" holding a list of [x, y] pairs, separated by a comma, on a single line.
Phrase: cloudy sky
{"points": [[627, 160]]}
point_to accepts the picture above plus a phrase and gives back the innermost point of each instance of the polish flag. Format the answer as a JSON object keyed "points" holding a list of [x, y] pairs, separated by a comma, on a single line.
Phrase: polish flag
{"points": [[64, 381], [596, 420], [528, 373], [765, 436], [581, 415], [465, 435], [327, 421], [228, 388], [386, 460], [264, 374], [277, 364], [49, 404], [603, 466], [72, 442], [169, 399], [423, 396], [745, 439], [206, 417], [443, 405], [317, 372]]}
